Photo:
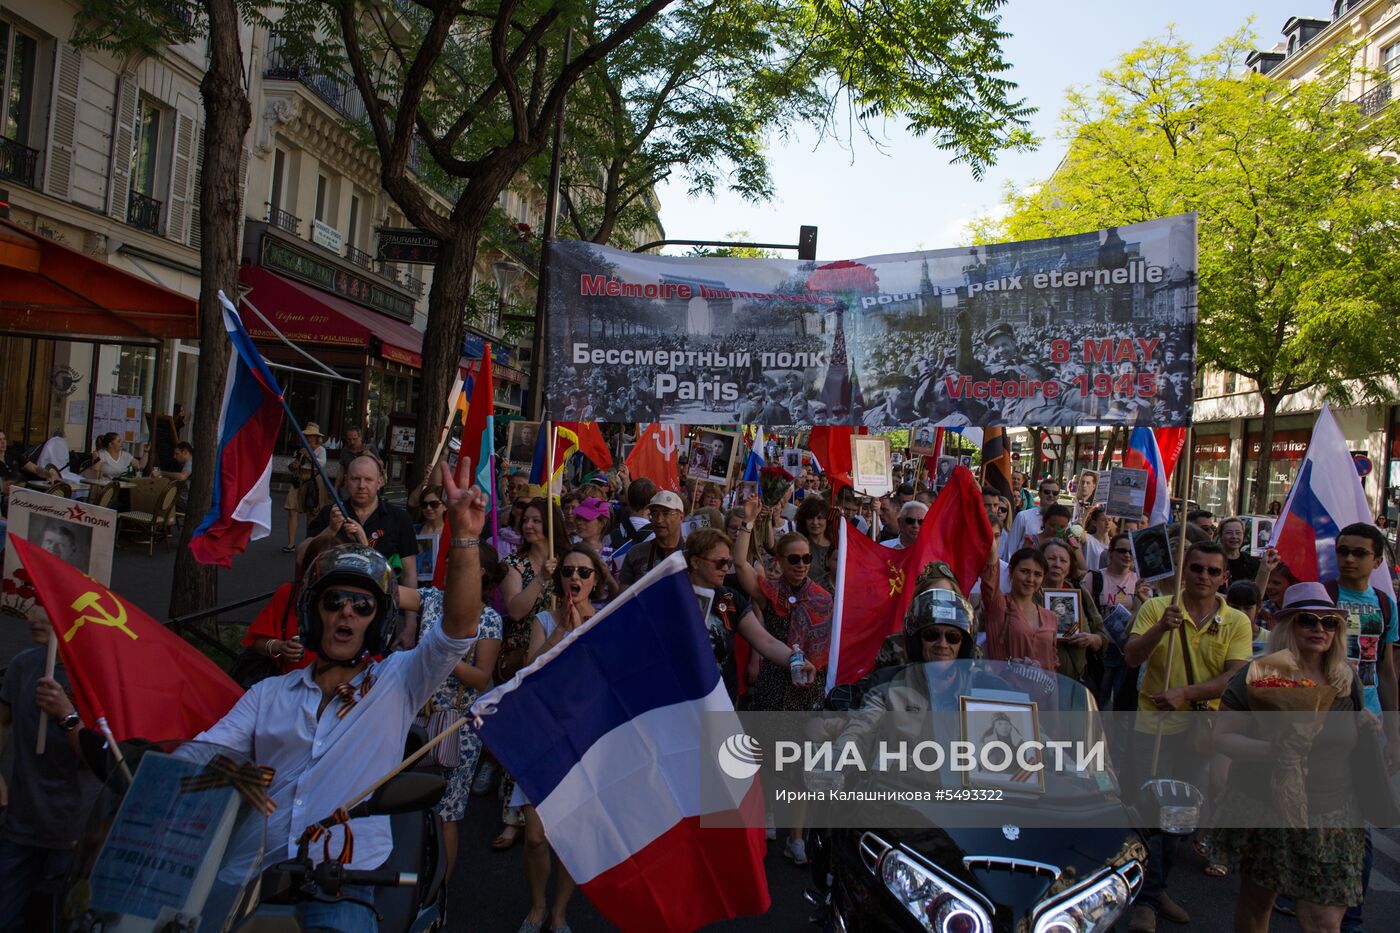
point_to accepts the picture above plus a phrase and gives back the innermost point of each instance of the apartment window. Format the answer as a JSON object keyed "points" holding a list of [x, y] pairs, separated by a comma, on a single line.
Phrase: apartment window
{"points": [[321, 185], [145, 154], [1390, 57], [17, 60], [279, 172], [352, 234]]}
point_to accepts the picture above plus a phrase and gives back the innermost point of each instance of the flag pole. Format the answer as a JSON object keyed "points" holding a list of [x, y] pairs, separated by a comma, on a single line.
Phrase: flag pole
{"points": [[495, 503], [311, 454], [458, 387], [49, 664], [549, 495], [1176, 599]]}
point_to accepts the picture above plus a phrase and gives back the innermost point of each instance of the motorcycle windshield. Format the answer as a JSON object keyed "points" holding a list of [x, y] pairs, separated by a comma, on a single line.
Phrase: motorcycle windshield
{"points": [[174, 841]]}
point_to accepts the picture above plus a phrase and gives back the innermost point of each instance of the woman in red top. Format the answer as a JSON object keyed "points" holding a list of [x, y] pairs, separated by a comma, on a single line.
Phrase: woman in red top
{"points": [[1017, 628], [273, 632]]}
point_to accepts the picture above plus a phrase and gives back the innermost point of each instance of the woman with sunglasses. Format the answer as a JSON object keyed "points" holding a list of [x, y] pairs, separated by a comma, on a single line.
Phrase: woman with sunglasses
{"points": [[813, 516], [1320, 865], [1018, 627], [432, 512], [797, 612], [707, 555], [579, 577]]}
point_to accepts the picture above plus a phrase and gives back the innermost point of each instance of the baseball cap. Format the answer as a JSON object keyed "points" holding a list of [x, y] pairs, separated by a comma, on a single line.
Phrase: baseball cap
{"points": [[591, 508], [667, 500]]}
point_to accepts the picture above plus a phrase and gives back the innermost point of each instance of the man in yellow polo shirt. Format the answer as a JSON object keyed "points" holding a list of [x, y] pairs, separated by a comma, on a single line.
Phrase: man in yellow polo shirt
{"points": [[1217, 639]]}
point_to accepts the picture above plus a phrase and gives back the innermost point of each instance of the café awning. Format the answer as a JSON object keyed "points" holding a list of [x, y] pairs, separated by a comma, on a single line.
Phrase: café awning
{"points": [[48, 288], [307, 315]]}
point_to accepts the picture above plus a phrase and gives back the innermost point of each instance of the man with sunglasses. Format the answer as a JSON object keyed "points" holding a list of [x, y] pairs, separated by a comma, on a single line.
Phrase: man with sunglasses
{"points": [[331, 729], [911, 519], [1216, 641], [665, 511], [1030, 522]]}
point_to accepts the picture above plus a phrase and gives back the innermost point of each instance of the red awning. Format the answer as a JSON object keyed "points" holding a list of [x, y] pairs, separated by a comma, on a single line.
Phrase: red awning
{"points": [[308, 315], [49, 288]]}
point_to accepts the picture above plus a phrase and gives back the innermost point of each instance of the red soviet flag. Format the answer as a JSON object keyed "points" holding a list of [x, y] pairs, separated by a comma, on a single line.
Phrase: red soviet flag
{"points": [[125, 667], [881, 580], [656, 456], [832, 448]]}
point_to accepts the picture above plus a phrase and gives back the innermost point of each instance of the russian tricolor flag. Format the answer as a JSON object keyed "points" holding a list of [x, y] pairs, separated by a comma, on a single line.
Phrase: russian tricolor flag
{"points": [[248, 426], [1325, 498], [757, 458], [603, 734], [1143, 454]]}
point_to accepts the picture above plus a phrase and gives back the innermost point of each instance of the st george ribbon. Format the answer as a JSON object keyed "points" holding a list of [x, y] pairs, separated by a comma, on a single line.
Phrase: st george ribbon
{"points": [[1094, 328]]}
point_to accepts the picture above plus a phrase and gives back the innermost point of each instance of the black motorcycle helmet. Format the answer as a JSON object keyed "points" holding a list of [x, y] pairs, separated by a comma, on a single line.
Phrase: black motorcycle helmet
{"points": [[351, 565], [935, 605]]}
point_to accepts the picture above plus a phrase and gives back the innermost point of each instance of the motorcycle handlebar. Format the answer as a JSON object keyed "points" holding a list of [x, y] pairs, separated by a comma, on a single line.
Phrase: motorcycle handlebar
{"points": [[382, 879]]}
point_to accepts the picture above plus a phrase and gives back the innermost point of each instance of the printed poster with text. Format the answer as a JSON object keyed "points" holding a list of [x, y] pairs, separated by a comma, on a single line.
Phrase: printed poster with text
{"points": [[1095, 328]]}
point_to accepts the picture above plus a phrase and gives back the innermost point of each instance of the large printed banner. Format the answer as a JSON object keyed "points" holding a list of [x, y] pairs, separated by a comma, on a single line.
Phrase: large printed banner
{"points": [[1093, 328]]}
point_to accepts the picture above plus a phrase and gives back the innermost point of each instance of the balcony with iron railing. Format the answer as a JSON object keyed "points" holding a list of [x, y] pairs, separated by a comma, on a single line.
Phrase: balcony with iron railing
{"points": [[337, 89], [18, 162], [1373, 100], [143, 212], [413, 283], [359, 257], [283, 220]]}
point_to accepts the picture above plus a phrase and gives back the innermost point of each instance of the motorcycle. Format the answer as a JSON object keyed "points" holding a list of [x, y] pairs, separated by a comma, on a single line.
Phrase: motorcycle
{"points": [[176, 841], [1016, 875]]}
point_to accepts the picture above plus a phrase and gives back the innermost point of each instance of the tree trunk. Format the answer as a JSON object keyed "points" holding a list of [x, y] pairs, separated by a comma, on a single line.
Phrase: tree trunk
{"points": [[1111, 448], [1259, 503], [452, 283], [227, 116]]}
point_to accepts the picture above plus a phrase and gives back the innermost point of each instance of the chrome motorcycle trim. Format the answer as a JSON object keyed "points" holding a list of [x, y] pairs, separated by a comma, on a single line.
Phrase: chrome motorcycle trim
{"points": [[872, 848], [998, 863]]}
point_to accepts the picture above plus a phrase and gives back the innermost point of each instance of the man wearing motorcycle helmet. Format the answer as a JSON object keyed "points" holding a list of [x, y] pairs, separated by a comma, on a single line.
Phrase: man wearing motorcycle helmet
{"points": [[938, 625], [332, 729]]}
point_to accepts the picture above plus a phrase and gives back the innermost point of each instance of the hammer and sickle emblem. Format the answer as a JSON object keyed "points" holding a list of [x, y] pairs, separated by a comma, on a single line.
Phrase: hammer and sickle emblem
{"points": [[666, 433], [896, 578], [100, 616]]}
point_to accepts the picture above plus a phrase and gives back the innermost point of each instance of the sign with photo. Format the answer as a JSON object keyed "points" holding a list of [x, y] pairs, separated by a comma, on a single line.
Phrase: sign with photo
{"points": [[1127, 493], [712, 456], [1152, 553], [520, 442], [1094, 328], [792, 461], [83, 536], [922, 440], [870, 465], [1011, 723], [427, 557], [1066, 604], [1258, 530]]}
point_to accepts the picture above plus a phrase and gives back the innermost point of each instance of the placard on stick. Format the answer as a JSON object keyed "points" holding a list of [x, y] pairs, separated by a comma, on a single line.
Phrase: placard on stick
{"points": [[1127, 493], [1152, 553], [870, 465]]}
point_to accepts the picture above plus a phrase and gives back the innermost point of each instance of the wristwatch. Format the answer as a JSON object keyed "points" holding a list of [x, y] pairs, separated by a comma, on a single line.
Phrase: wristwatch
{"points": [[70, 722], [748, 526]]}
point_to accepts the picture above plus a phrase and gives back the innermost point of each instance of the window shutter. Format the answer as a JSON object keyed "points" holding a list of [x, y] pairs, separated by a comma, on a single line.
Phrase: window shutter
{"points": [[123, 138], [196, 238], [63, 120], [178, 217]]}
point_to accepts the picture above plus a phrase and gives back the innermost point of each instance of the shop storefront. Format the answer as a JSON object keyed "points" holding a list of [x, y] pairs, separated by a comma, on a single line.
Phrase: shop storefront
{"points": [[1289, 447], [1210, 487], [1392, 470], [81, 343]]}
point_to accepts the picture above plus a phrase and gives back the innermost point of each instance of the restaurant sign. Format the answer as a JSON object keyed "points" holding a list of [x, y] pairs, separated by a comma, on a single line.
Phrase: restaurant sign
{"points": [[282, 257]]}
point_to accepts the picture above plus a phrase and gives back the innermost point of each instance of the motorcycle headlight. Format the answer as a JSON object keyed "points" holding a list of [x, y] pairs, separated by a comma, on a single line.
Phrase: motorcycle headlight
{"points": [[1092, 907], [936, 901]]}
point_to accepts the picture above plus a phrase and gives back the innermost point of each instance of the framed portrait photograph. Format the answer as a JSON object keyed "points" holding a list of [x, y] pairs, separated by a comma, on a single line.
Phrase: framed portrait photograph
{"points": [[1127, 493], [1152, 553], [1068, 611], [427, 556], [943, 472], [921, 441], [1261, 529], [520, 442], [965, 460], [1011, 723], [716, 450], [792, 461], [870, 465]]}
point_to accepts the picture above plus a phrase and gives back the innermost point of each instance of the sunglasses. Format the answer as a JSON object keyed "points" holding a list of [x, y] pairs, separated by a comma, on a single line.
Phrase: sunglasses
{"points": [[1124, 551], [1308, 620], [912, 521], [432, 504], [1344, 551], [362, 604], [583, 573], [932, 636], [1208, 571], [796, 559], [1000, 508], [720, 563]]}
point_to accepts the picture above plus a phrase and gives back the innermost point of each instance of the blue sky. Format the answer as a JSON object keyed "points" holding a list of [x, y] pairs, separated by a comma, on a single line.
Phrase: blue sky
{"points": [[867, 202]]}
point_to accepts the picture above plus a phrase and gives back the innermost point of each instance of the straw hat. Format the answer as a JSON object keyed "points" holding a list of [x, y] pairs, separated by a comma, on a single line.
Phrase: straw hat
{"points": [[313, 429]]}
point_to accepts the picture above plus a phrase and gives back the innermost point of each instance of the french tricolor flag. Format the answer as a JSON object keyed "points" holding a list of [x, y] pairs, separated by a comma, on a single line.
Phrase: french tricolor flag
{"points": [[603, 734], [1325, 498], [248, 426], [1143, 454], [757, 459]]}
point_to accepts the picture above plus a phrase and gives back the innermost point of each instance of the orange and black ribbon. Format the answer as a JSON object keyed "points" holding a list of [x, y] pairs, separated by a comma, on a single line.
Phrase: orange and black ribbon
{"points": [[322, 831], [251, 781], [348, 698]]}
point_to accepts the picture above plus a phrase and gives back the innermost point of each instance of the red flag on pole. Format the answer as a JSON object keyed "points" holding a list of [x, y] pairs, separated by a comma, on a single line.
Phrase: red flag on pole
{"points": [[1171, 443], [589, 439], [881, 580], [832, 448], [126, 667], [656, 456]]}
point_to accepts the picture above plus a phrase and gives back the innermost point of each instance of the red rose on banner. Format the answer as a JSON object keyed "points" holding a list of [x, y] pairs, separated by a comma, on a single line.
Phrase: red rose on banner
{"points": [[846, 275]]}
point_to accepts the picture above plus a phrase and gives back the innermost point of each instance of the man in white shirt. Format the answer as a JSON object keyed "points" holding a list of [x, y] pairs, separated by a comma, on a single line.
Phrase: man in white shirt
{"points": [[332, 729], [1031, 521], [911, 519]]}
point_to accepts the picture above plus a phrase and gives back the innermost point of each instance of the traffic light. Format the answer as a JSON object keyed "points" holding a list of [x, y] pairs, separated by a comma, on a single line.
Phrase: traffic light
{"points": [[807, 242]]}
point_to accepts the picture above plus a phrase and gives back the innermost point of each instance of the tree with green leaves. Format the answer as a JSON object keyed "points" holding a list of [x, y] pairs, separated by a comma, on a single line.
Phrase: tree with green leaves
{"points": [[147, 28], [478, 87], [1296, 198]]}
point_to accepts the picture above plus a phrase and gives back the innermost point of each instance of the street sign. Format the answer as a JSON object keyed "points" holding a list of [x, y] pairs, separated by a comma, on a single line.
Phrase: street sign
{"points": [[1364, 466], [406, 244], [1050, 447]]}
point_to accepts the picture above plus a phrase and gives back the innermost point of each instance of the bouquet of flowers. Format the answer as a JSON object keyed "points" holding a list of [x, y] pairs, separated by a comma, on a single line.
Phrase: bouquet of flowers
{"points": [[1276, 686], [773, 485]]}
